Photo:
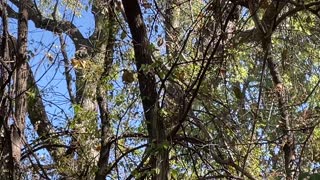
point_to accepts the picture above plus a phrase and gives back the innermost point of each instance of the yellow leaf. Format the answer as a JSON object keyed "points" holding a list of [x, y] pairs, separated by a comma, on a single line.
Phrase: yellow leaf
{"points": [[98, 148], [78, 64]]}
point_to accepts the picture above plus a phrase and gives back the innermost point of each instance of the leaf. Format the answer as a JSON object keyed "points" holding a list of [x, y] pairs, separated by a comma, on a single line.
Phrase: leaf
{"points": [[152, 47], [157, 170], [123, 35], [237, 92], [98, 148], [50, 57], [160, 41], [174, 173], [78, 64], [146, 4], [127, 76]]}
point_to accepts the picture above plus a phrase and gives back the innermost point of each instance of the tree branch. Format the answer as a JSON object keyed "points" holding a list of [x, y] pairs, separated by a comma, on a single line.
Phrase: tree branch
{"points": [[51, 25]]}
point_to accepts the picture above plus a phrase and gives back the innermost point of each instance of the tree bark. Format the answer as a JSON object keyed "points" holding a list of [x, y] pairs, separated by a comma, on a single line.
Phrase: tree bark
{"points": [[148, 92], [17, 129], [284, 123], [265, 28], [6, 161], [86, 90], [106, 130]]}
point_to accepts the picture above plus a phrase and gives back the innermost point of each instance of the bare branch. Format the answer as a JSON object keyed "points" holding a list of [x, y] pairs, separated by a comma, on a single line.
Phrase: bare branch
{"points": [[52, 25]]}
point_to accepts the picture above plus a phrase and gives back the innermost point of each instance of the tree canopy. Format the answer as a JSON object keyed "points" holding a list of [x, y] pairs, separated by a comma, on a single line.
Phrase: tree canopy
{"points": [[169, 89]]}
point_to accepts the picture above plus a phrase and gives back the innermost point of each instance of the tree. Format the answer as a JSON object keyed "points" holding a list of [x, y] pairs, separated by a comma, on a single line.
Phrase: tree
{"points": [[159, 89]]}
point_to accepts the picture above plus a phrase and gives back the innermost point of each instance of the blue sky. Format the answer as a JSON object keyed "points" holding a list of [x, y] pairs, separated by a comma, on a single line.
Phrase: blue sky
{"points": [[49, 75]]}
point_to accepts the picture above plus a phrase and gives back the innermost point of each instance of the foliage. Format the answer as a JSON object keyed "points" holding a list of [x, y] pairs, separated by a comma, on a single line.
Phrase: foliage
{"points": [[225, 89]]}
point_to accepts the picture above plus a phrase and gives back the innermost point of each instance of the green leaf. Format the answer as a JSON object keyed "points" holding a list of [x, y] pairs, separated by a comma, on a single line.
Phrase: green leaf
{"points": [[123, 35]]}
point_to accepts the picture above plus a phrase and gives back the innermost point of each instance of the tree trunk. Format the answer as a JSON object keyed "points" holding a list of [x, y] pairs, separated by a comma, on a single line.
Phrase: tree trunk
{"points": [[284, 123], [17, 129], [265, 28], [106, 130], [6, 161], [148, 91]]}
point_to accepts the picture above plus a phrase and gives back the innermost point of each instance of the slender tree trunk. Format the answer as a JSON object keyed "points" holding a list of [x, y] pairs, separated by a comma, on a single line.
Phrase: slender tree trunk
{"points": [[17, 129], [148, 91], [106, 130], [285, 123], [265, 27], [6, 161]]}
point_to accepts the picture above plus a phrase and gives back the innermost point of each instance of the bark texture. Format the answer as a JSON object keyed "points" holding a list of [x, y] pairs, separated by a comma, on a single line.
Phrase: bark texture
{"points": [[17, 129], [264, 28], [106, 131], [148, 89], [6, 161]]}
